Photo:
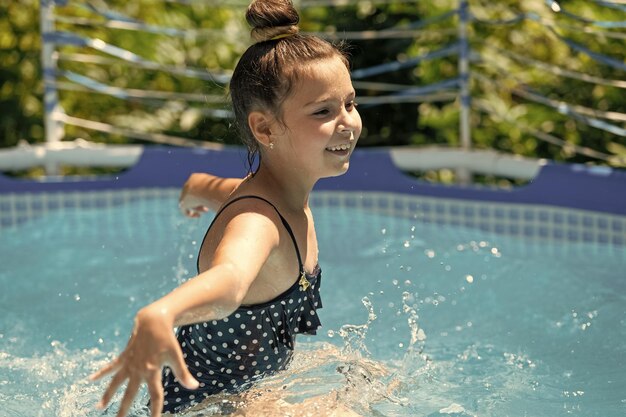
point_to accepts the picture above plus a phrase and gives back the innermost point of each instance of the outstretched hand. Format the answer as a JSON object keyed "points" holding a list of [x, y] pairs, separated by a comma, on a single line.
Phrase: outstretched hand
{"points": [[191, 205], [203, 192], [152, 344]]}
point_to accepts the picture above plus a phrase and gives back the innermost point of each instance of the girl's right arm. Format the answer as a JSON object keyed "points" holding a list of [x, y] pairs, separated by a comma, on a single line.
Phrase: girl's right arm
{"points": [[203, 192], [247, 242]]}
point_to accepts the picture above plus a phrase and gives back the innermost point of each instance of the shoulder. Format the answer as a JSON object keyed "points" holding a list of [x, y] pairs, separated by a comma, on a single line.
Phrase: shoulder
{"points": [[249, 216]]}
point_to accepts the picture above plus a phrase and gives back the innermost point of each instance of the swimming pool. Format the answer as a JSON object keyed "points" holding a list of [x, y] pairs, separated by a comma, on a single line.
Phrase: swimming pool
{"points": [[432, 307]]}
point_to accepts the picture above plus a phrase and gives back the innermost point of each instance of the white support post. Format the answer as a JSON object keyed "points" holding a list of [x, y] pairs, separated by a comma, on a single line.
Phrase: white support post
{"points": [[53, 127], [464, 175]]}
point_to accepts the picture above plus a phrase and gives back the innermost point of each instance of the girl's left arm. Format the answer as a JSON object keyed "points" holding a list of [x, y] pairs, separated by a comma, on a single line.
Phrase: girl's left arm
{"points": [[203, 192]]}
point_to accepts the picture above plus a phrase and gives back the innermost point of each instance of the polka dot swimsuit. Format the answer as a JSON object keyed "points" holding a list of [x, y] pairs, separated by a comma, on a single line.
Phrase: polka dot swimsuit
{"points": [[228, 355]]}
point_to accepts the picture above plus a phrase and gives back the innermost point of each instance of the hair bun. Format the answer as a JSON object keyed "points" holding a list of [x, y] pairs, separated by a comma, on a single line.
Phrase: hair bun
{"points": [[271, 18]]}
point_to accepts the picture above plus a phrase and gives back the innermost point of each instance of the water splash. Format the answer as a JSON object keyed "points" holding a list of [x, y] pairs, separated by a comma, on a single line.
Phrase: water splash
{"points": [[187, 250], [353, 335], [415, 361], [52, 383], [323, 379]]}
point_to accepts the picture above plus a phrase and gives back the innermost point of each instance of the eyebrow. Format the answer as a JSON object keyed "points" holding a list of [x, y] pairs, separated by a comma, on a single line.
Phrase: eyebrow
{"points": [[324, 100]]}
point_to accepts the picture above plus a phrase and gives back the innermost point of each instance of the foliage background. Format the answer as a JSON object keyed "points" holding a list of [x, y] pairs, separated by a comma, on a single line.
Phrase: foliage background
{"points": [[502, 128]]}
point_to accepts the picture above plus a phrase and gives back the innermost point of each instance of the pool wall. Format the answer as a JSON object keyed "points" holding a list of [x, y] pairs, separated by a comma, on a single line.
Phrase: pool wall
{"points": [[563, 203], [581, 187]]}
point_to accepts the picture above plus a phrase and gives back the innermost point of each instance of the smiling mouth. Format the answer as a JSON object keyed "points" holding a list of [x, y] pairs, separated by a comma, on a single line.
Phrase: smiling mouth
{"points": [[339, 148]]}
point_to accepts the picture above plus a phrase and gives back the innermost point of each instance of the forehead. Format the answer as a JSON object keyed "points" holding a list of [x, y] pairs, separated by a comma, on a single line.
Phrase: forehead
{"points": [[322, 80]]}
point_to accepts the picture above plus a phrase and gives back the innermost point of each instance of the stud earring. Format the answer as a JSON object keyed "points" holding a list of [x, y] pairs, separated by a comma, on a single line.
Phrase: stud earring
{"points": [[271, 145]]}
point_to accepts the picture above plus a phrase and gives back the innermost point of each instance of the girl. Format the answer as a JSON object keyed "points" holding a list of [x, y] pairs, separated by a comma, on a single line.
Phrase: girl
{"points": [[258, 274]]}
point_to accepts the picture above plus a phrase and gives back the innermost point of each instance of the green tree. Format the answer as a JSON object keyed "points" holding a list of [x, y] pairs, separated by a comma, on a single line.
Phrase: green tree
{"points": [[508, 60], [393, 123], [20, 73]]}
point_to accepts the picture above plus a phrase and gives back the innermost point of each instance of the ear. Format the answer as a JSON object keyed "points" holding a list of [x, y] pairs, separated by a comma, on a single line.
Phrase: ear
{"points": [[260, 124]]}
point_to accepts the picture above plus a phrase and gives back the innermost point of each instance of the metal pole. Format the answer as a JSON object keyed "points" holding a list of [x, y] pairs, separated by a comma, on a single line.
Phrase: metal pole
{"points": [[53, 128], [464, 176]]}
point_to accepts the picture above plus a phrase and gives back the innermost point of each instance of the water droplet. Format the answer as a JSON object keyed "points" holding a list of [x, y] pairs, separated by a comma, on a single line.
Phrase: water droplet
{"points": [[394, 282], [370, 308], [383, 231], [421, 336], [331, 333], [407, 282], [430, 253], [77, 297], [407, 244], [469, 278]]}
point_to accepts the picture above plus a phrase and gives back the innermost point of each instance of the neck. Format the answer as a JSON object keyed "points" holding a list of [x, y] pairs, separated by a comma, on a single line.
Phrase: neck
{"points": [[288, 189]]}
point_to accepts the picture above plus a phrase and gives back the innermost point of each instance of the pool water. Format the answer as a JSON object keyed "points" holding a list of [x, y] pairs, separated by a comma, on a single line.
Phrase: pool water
{"points": [[419, 319]]}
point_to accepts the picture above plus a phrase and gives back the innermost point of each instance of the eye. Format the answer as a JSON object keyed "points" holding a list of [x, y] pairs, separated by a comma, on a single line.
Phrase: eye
{"points": [[351, 105], [322, 112]]}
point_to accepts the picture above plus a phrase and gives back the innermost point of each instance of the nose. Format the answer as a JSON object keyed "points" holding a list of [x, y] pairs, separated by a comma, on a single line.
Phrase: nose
{"points": [[349, 123], [346, 132]]}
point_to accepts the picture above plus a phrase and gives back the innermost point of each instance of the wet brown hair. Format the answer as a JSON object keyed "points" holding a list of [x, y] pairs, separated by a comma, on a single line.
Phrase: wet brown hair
{"points": [[268, 69]]}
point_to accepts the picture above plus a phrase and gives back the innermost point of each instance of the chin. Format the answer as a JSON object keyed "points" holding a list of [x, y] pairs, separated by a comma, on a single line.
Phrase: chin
{"points": [[338, 171]]}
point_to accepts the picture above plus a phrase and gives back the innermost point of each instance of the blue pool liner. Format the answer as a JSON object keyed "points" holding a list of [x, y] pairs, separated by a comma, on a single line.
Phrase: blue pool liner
{"points": [[593, 188]]}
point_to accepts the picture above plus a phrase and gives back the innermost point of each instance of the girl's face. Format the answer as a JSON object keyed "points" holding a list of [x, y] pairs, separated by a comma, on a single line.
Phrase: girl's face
{"points": [[321, 123]]}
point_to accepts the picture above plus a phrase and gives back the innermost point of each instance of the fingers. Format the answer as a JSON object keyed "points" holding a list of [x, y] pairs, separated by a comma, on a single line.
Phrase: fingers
{"points": [[156, 395], [129, 396], [191, 213], [182, 373], [115, 383], [112, 366], [195, 211]]}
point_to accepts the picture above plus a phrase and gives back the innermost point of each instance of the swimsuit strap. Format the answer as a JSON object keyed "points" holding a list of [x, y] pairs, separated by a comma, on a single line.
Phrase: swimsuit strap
{"points": [[282, 219]]}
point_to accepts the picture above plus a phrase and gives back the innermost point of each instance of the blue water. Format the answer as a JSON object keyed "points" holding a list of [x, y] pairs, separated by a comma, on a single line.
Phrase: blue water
{"points": [[442, 321]]}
